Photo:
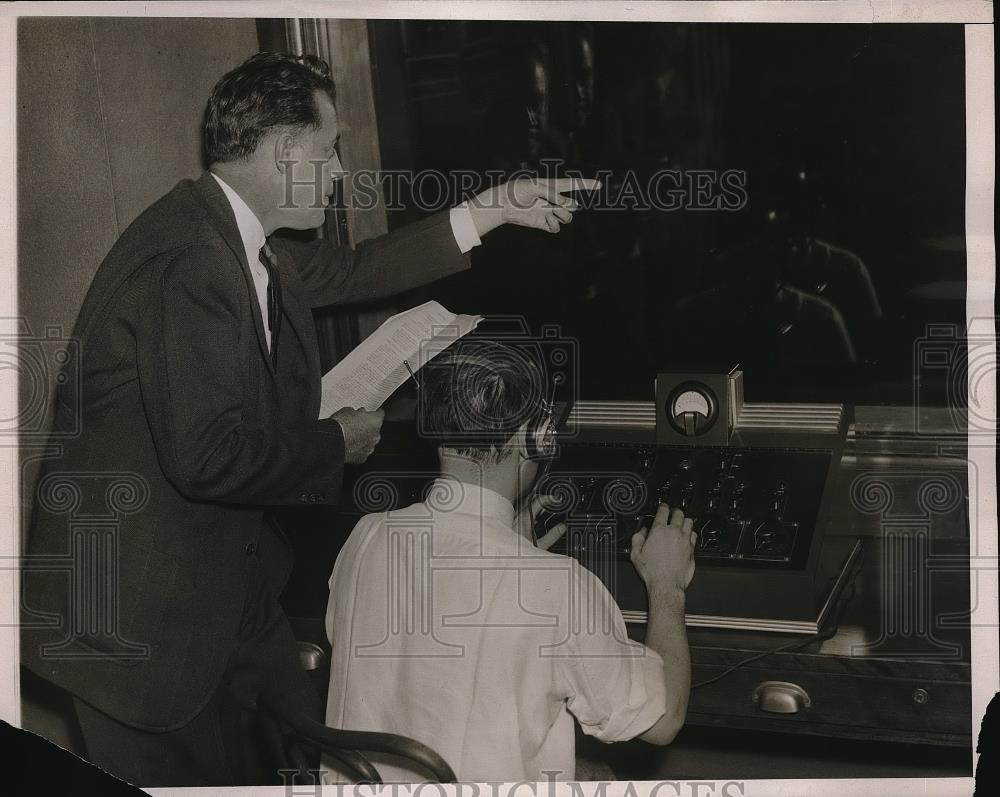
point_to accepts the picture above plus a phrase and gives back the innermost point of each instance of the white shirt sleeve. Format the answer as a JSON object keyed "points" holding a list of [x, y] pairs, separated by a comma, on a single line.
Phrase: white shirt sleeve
{"points": [[615, 685], [464, 228]]}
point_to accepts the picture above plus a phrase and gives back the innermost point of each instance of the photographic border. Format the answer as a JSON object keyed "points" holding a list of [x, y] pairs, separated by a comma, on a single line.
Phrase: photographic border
{"points": [[980, 187]]}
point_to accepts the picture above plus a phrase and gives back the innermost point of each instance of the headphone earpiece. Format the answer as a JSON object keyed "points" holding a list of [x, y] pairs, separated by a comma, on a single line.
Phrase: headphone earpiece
{"points": [[541, 431], [534, 435]]}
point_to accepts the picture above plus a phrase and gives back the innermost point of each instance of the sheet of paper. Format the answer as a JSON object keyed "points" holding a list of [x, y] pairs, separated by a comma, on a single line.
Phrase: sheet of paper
{"points": [[371, 373]]}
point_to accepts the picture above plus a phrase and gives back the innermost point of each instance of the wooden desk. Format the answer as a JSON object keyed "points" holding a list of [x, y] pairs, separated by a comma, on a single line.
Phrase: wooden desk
{"points": [[898, 667], [871, 680]]}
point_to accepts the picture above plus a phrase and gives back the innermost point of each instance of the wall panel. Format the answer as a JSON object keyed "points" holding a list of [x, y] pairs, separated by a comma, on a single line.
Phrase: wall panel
{"points": [[66, 211], [155, 77]]}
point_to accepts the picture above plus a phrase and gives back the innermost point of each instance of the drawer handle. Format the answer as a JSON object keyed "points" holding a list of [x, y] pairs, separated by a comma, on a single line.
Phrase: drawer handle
{"points": [[311, 656], [780, 697]]}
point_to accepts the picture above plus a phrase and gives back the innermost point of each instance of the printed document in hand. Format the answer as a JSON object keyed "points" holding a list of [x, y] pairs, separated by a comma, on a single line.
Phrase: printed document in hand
{"points": [[367, 376]]}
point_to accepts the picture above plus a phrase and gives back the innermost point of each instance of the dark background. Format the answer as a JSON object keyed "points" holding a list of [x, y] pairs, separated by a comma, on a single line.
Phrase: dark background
{"points": [[850, 135]]}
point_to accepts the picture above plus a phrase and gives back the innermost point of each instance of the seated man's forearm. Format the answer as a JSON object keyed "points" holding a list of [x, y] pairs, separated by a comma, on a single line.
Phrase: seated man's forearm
{"points": [[667, 635]]}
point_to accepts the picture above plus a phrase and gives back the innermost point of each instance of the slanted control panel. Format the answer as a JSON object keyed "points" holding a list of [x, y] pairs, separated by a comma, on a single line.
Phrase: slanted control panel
{"points": [[751, 507]]}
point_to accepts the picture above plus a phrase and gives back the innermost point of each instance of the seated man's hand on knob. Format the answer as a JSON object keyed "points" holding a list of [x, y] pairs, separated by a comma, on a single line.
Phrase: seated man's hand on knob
{"points": [[528, 202], [527, 514], [664, 555], [362, 432]]}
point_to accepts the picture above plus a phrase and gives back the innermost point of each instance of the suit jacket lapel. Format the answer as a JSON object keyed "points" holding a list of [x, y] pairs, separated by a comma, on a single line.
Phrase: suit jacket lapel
{"points": [[225, 222]]}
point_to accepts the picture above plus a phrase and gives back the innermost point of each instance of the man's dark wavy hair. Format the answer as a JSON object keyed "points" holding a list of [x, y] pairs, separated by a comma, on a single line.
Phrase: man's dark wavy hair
{"points": [[476, 394], [266, 91]]}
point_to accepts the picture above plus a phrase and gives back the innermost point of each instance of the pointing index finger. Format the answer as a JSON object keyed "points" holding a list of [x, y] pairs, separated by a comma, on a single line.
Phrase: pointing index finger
{"points": [[564, 184]]}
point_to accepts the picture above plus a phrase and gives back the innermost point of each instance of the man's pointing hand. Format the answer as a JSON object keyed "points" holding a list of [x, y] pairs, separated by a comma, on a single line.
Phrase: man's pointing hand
{"points": [[528, 202]]}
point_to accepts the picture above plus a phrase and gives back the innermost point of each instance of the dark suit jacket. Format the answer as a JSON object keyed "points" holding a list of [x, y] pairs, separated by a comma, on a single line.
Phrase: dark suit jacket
{"points": [[138, 555]]}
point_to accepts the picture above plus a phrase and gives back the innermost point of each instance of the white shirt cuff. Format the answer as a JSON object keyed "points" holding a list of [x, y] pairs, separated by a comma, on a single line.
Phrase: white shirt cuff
{"points": [[464, 228]]}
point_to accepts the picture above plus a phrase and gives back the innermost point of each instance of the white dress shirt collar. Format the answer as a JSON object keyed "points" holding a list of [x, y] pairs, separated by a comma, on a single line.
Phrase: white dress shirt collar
{"points": [[252, 235], [448, 495]]}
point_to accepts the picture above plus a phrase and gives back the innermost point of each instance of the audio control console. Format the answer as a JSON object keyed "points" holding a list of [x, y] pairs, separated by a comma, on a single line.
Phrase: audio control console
{"points": [[755, 478]]}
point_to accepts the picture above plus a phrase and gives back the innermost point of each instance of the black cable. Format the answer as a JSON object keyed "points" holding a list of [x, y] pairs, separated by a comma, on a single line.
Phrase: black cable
{"points": [[830, 628], [799, 643]]}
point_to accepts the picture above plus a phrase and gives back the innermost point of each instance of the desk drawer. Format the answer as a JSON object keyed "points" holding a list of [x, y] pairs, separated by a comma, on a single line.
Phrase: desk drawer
{"points": [[908, 709]]}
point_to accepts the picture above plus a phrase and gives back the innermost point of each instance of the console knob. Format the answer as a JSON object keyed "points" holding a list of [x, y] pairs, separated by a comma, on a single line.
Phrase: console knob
{"points": [[770, 538], [710, 533]]}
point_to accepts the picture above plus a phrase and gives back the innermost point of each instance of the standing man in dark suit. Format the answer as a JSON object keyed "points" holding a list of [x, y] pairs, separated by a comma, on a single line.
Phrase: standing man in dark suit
{"points": [[199, 409]]}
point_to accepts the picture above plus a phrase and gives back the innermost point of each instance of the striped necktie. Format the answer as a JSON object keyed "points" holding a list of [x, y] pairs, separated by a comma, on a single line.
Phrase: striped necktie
{"points": [[274, 307]]}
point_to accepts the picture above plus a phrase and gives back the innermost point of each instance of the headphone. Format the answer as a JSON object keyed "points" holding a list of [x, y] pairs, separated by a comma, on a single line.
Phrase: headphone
{"points": [[540, 435]]}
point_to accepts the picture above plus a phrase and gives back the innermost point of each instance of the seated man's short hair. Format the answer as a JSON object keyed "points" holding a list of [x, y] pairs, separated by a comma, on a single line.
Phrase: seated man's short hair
{"points": [[476, 394]]}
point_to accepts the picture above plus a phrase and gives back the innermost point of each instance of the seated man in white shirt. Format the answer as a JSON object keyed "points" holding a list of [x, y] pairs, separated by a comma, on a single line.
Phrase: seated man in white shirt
{"points": [[450, 626]]}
